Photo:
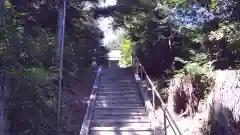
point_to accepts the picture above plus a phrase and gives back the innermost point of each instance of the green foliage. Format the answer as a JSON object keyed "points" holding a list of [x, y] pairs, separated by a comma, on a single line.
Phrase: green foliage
{"points": [[196, 66], [178, 3], [214, 4], [200, 71], [229, 31], [28, 54], [196, 35], [126, 51]]}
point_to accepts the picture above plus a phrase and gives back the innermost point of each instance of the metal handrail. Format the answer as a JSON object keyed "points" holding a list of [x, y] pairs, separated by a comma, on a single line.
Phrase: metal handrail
{"points": [[88, 114], [166, 113]]}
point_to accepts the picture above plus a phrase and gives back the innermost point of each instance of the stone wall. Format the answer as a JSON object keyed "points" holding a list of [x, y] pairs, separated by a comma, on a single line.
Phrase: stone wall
{"points": [[226, 103], [220, 112]]}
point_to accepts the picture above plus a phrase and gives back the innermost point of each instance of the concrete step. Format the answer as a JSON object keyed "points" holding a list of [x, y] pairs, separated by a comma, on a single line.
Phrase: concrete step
{"points": [[111, 99], [119, 110], [118, 94], [118, 97], [119, 81], [117, 104], [119, 116], [111, 82], [118, 84], [119, 100], [112, 75], [103, 123], [117, 132], [119, 113], [125, 128], [117, 76], [119, 107], [115, 73], [118, 89], [114, 69], [122, 120]]}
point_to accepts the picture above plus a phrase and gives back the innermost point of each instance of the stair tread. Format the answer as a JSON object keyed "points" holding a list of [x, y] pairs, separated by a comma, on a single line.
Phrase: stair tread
{"points": [[117, 92], [119, 101], [117, 86], [113, 96], [117, 98], [124, 128], [103, 123], [119, 116], [120, 113], [122, 105], [101, 132], [120, 81], [119, 110], [122, 120], [117, 107]]}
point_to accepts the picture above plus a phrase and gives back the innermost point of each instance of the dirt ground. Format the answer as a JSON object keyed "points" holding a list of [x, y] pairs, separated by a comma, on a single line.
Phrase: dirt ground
{"points": [[74, 102]]}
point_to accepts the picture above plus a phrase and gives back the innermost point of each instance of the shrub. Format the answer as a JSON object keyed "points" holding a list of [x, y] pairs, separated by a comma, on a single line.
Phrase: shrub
{"points": [[126, 50]]}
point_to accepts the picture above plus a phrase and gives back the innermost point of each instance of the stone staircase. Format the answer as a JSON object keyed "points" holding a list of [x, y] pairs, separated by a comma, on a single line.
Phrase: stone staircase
{"points": [[119, 108]]}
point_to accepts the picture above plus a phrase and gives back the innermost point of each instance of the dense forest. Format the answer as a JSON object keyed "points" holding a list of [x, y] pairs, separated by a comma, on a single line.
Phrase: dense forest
{"points": [[190, 31], [169, 37], [28, 54]]}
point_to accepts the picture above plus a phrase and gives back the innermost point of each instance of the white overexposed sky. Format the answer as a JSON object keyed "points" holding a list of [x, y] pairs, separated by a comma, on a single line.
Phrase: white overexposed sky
{"points": [[104, 3], [105, 23]]}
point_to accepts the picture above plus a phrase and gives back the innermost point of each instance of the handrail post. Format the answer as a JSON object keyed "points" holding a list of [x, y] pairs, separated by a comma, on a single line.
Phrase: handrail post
{"points": [[132, 59], [153, 101], [165, 122], [133, 63], [137, 67], [141, 74], [146, 83]]}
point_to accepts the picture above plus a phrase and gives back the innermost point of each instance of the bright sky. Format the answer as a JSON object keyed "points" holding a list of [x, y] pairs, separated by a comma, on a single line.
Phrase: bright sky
{"points": [[105, 23], [107, 3]]}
